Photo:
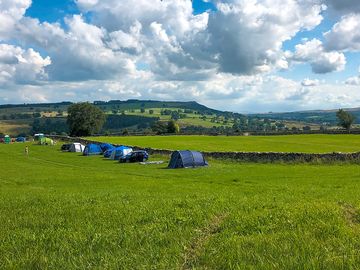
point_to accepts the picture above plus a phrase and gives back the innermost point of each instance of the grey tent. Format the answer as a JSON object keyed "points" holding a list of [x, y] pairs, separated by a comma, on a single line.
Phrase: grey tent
{"points": [[187, 159], [77, 148]]}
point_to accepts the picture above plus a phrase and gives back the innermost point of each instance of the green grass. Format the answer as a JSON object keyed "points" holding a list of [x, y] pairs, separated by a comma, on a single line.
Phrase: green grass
{"points": [[64, 211], [190, 120], [292, 143]]}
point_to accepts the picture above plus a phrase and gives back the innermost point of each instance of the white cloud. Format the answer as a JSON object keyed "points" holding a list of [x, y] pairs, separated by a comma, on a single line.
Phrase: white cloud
{"points": [[21, 66], [81, 53], [309, 82], [11, 11], [345, 35], [321, 61], [242, 37], [353, 80]]}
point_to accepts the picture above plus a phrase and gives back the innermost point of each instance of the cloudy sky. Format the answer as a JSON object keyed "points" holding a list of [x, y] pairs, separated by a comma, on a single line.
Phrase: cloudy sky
{"points": [[240, 55]]}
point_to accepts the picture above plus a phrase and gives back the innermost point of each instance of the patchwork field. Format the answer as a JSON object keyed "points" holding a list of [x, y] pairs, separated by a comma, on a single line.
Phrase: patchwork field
{"points": [[64, 211], [293, 143], [14, 128]]}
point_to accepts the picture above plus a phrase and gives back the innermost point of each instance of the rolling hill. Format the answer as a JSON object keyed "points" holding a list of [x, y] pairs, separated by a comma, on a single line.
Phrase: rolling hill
{"points": [[321, 117]]}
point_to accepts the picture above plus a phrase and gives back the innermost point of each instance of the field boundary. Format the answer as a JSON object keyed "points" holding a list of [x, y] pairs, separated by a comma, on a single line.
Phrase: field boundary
{"points": [[245, 156]]}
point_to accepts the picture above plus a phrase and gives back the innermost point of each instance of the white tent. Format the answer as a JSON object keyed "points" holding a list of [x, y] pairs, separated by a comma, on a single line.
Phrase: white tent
{"points": [[77, 147]]}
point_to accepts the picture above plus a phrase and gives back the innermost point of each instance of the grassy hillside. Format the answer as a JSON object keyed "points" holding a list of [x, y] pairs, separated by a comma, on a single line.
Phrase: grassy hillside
{"points": [[317, 117], [14, 127], [292, 143], [64, 211], [195, 115]]}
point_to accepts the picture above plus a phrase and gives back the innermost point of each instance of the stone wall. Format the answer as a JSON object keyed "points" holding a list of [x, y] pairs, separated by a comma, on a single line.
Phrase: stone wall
{"points": [[247, 156]]}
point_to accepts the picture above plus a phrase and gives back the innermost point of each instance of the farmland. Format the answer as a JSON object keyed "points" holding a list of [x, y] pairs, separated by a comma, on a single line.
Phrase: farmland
{"points": [[62, 210], [293, 143]]}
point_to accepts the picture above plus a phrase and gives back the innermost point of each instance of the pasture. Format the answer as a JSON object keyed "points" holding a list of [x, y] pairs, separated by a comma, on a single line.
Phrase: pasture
{"points": [[293, 143], [64, 211]]}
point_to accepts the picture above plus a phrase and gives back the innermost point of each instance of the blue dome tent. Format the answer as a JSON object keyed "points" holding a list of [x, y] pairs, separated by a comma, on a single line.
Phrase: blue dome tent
{"points": [[92, 149], [106, 146], [187, 159]]}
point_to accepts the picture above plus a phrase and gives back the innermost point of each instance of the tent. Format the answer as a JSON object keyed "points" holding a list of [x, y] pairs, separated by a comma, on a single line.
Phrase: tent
{"points": [[120, 152], [187, 159], [20, 139], [38, 136], [66, 147], [108, 153], [92, 149], [7, 139], [46, 141], [77, 148], [106, 146]]}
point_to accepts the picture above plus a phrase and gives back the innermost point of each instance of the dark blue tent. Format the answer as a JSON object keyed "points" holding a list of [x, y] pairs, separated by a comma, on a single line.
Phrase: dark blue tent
{"points": [[20, 139], [106, 146], [92, 149], [187, 159]]}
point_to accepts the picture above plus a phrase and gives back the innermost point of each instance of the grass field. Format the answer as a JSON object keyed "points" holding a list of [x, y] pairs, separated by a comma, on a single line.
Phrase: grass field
{"points": [[64, 211], [14, 127], [190, 120], [292, 143]]}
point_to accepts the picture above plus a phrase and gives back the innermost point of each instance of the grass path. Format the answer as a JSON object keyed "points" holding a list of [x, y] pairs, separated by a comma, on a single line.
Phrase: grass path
{"points": [[196, 246]]}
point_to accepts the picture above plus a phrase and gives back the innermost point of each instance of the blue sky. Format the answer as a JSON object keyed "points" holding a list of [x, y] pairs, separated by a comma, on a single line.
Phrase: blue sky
{"points": [[228, 54], [52, 10]]}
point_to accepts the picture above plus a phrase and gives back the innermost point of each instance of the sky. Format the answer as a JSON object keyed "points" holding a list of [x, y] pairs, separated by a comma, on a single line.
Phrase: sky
{"points": [[235, 55]]}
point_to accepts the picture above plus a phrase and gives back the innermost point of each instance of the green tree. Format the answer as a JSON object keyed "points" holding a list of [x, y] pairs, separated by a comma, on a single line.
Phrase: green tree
{"points": [[142, 110], [85, 119], [159, 127], [173, 127], [346, 119]]}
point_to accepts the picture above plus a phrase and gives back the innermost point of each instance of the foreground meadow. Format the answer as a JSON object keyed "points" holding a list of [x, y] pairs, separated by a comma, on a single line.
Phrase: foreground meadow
{"points": [[64, 211], [293, 143]]}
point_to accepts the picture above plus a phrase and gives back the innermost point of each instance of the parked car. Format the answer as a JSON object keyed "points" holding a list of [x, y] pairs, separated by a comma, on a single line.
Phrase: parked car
{"points": [[135, 156]]}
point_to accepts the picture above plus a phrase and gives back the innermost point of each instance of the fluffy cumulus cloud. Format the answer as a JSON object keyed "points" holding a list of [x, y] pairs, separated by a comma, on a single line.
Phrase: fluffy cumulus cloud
{"points": [[163, 50], [21, 66], [345, 35], [247, 36], [321, 61], [11, 11], [241, 37], [353, 80]]}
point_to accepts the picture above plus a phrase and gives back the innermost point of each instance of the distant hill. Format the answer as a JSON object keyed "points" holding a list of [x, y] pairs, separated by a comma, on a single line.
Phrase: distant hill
{"points": [[140, 115], [321, 117], [131, 104], [133, 114]]}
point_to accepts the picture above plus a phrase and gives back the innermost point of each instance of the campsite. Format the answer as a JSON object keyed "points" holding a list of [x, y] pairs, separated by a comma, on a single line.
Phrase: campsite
{"points": [[66, 210], [180, 135]]}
